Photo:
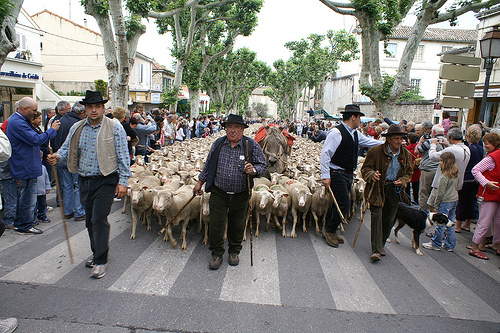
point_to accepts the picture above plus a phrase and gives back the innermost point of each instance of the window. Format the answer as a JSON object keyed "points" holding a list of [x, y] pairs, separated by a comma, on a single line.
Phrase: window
{"points": [[22, 42], [415, 83], [391, 50], [438, 90], [420, 53], [141, 73], [446, 48]]}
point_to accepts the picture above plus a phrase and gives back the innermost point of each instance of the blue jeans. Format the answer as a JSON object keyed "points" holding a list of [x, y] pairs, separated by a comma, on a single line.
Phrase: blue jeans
{"points": [[71, 192], [450, 241], [26, 200], [41, 207], [9, 194]]}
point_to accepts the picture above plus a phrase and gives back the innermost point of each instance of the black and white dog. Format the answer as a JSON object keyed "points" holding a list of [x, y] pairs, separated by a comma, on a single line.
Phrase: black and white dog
{"points": [[419, 221]]}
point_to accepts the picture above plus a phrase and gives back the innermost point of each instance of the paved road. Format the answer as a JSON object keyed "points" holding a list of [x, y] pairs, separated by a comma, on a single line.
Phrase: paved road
{"points": [[295, 285]]}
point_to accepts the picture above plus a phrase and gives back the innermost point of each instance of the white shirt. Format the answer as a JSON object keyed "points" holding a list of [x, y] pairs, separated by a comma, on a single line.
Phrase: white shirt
{"points": [[332, 142]]}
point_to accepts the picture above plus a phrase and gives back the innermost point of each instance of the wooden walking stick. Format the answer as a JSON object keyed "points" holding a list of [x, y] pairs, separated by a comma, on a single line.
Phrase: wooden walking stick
{"points": [[62, 211], [363, 215], [337, 205], [173, 218], [250, 212]]}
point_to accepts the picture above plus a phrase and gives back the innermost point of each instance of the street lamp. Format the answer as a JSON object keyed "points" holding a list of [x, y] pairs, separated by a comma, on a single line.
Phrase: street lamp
{"points": [[490, 50]]}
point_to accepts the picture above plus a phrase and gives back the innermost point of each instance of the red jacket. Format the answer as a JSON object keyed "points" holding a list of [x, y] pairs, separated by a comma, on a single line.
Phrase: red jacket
{"points": [[494, 175], [416, 171]]}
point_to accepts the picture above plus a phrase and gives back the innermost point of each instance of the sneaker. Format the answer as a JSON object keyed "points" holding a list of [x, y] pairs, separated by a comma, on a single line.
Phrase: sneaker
{"points": [[215, 263], [30, 231], [80, 218], [10, 226], [45, 220], [49, 208], [98, 271], [233, 259], [8, 325], [90, 263], [430, 246], [449, 249]]}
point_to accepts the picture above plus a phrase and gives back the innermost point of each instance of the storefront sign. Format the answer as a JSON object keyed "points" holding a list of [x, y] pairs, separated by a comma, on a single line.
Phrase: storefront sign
{"points": [[31, 76]]}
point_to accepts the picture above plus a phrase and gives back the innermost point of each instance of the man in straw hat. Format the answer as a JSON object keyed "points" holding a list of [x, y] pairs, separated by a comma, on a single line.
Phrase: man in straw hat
{"points": [[96, 148], [387, 167], [225, 174], [339, 159]]}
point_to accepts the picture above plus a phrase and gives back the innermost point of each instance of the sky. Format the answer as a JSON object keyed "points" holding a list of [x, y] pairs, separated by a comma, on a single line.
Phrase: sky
{"points": [[280, 21]]}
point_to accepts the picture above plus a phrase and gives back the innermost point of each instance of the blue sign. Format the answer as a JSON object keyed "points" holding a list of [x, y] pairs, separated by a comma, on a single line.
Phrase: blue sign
{"points": [[31, 76]]}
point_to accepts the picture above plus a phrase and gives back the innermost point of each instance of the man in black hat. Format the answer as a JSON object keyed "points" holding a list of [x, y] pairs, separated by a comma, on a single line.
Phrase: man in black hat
{"points": [[225, 174], [96, 148], [339, 159], [386, 167]]}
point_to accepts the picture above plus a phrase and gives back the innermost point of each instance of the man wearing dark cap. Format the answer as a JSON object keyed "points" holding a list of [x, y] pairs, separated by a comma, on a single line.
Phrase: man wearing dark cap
{"points": [[96, 148], [339, 159], [386, 167], [225, 176]]}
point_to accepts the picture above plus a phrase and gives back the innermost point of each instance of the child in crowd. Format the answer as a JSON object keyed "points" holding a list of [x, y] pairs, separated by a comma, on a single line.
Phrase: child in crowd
{"points": [[446, 203]]}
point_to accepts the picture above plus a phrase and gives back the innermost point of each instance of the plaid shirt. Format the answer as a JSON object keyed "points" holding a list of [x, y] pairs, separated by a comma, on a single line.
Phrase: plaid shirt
{"points": [[231, 175], [87, 151]]}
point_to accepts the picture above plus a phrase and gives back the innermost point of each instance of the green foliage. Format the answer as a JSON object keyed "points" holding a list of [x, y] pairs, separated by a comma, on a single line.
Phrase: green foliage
{"points": [[261, 109], [170, 96], [133, 26], [100, 6], [77, 93], [411, 95], [379, 91], [183, 108], [5, 8], [102, 86]]}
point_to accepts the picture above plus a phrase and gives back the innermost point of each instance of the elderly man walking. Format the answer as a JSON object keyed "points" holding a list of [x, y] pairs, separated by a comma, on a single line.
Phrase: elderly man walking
{"points": [[225, 174], [96, 148], [387, 167], [25, 162]]}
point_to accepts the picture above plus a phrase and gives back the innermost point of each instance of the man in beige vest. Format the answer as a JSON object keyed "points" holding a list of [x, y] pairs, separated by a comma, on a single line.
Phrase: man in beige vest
{"points": [[96, 148]]}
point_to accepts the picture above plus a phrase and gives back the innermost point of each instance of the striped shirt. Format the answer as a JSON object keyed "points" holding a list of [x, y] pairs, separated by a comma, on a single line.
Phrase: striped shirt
{"points": [[87, 151], [231, 175]]}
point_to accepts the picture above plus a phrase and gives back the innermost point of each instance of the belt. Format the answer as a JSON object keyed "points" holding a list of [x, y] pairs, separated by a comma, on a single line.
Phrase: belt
{"points": [[228, 193], [389, 182], [98, 177]]}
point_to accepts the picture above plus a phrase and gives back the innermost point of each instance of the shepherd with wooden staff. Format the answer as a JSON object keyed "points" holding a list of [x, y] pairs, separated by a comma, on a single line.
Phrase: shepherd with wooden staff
{"points": [[389, 164], [96, 148], [225, 176], [339, 159]]}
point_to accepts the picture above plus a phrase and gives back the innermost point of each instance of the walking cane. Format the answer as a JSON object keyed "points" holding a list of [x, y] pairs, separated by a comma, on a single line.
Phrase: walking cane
{"points": [[337, 205], [250, 212], [62, 211], [173, 218], [363, 215]]}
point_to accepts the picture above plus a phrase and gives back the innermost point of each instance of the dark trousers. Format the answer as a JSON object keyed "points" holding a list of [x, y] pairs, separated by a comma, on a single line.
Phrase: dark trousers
{"points": [[41, 207], [416, 188], [96, 195], [234, 207], [383, 218], [341, 183]]}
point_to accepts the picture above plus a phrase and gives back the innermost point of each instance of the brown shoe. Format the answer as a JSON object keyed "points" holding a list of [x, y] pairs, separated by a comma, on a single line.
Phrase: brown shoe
{"points": [[215, 263], [375, 256], [69, 216], [233, 259], [80, 218], [331, 239], [382, 253], [340, 239]]}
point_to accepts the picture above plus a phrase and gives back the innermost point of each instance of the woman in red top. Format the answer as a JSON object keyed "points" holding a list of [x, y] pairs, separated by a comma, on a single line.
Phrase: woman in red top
{"points": [[488, 177], [415, 178]]}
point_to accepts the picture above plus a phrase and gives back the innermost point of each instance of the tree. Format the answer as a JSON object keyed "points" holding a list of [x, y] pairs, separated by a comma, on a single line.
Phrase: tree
{"points": [[9, 11], [230, 80], [377, 19], [183, 19], [261, 109], [307, 67], [119, 53]]}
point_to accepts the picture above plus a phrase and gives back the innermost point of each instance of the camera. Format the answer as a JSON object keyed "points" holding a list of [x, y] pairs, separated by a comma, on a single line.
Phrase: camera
{"points": [[480, 200], [427, 136]]}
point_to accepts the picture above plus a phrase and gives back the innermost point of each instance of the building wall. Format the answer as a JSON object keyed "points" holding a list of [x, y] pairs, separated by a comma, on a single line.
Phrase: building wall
{"points": [[258, 97], [418, 111], [70, 52]]}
